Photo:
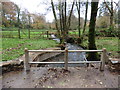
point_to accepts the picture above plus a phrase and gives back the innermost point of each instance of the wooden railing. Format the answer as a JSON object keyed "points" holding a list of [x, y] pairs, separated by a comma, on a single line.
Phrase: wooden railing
{"points": [[103, 59]]}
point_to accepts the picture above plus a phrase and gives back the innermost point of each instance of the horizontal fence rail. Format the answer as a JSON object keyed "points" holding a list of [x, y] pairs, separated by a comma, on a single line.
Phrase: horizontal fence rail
{"points": [[64, 50], [103, 59], [72, 62]]}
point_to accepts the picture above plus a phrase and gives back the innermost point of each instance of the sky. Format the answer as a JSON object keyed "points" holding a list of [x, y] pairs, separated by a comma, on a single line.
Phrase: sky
{"points": [[37, 6]]}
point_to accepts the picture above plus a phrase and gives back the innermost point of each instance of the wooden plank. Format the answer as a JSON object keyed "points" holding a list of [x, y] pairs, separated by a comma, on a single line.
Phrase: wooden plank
{"points": [[46, 50], [84, 50], [103, 58], [66, 58], [72, 62], [26, 62], [64, 50]]}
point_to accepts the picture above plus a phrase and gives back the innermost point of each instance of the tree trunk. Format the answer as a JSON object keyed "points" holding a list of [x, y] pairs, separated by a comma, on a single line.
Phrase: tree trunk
{"points": [[78, 9], [60, 16], [92, 46], [119, 31], [66, 31], [63, 20], [18, 21], [79, 20], [86, 11], [69, 18], [111, 14], [56, 22], [111, 17], [18, 11], [29, 27]]}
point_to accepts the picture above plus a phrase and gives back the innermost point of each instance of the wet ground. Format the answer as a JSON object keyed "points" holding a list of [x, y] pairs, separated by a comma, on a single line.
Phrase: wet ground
{"points": [[75, 77], [22, 79]]}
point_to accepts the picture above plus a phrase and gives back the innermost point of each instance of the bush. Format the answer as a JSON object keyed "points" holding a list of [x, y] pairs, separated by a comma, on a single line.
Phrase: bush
{"points": [[107, 32]]}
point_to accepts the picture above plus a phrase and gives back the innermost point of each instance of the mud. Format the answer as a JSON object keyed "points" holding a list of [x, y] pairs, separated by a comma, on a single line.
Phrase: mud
{"points": [[22, 79], [57, 77]]}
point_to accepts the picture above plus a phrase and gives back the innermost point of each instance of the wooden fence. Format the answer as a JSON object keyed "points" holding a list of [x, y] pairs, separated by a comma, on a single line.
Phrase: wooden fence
{"points": [[103, 59]]}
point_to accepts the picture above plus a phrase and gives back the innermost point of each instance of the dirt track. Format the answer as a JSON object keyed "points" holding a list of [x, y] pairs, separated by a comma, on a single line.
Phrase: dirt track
{"points": [[76, 77]]}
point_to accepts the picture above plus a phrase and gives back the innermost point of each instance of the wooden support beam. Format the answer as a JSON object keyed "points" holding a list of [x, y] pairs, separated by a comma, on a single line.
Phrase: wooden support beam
{"points": [[47, 32], [64, 50], [26, 62], [72, 62], [103, 58], [106, 56], [66, 58], [84, 50], [46, 50]]}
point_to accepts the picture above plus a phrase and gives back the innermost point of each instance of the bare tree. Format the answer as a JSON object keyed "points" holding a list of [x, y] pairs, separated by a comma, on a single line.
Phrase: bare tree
{"points": [[69, 18], [54, 13], [18, 21], [64, 20], [78, 9], [86, 12], [29, 25], [111, 11]]}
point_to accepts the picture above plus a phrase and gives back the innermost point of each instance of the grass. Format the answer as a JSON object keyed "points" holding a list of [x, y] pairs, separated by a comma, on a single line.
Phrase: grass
{"points": [[75, 32], [110, 43], [24, 33], [13, 48]]}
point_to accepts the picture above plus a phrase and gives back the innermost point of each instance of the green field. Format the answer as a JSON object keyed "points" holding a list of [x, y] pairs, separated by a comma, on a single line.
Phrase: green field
{"points": [[34, 33], [13, 48]]}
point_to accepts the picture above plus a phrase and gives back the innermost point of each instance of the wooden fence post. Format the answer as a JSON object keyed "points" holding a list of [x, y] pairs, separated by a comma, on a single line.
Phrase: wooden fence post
{"points": [[66, 58], [26, 62], [106, 56], [47, 34], [103, 58]]}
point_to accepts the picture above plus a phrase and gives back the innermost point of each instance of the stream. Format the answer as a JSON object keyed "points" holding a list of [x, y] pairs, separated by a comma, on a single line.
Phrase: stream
{"points": [[72, 56]]}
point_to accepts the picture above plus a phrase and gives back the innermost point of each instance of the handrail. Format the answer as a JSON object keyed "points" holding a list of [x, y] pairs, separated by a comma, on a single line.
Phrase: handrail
{"points": [[66, 51]]}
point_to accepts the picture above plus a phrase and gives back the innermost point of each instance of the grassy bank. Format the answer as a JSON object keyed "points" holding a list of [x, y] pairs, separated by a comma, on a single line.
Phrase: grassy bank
{"points": [[110, 43], [13, 48]]}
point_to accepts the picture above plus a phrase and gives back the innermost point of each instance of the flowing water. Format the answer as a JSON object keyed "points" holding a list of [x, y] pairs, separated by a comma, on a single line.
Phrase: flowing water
{"points": [[72, 56]]}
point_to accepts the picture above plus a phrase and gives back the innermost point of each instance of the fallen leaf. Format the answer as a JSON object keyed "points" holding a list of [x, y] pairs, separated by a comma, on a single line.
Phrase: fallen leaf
{"points": [[91, 85], [101, 83]]}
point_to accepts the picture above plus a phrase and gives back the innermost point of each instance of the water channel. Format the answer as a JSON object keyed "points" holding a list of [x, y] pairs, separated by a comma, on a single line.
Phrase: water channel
{"points": [[72, 56]]}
